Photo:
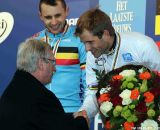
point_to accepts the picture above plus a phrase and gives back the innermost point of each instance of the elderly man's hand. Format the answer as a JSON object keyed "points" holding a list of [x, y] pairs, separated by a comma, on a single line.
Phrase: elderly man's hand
{"points": [[82, 113]]}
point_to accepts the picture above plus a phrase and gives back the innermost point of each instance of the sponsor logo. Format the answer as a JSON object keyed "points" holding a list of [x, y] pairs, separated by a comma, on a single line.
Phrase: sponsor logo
{"points": [[6, 25], [72, 21], [127, 57], [66, 40]]}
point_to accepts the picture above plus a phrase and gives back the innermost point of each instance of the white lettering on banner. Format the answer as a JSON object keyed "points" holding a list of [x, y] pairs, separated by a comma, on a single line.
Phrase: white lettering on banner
{"points": [[6, 25], [121, 5], [122, 18], [123, 27], [97, 122], [72, 21]]}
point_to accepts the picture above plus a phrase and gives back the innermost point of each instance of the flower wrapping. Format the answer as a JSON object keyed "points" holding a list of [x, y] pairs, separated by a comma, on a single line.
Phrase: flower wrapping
{"points": [[129, 98]]}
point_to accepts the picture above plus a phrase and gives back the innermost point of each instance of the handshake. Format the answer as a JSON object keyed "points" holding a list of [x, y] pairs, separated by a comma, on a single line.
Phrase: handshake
{"points": [[82, 113]]}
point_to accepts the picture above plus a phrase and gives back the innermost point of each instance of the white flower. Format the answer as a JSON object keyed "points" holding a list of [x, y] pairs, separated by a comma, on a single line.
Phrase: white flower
{"points": [[105, 90], [126, 101], [125, 95], [149, 125], [106, 107], [140, 70], [128, 73]]}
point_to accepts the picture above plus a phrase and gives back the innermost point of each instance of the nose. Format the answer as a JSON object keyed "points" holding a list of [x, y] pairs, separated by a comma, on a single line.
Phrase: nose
{"points": [[53, 21], [53, 68], [88, 47]]}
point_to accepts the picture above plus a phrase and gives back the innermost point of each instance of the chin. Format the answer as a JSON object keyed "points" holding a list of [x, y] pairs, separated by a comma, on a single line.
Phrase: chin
{"points": [[54, 32], [96, 55], [48, 82]]}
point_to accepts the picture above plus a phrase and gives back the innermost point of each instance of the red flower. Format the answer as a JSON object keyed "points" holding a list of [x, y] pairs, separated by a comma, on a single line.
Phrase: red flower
{"points": [[155, 91], [149, 97], [116, 100], [108, 125], [141, 107], [145, 76], [117, 77], [128, 125], [156, 81], [134, 94], [115, 89], [157, 73], [104, 97]]}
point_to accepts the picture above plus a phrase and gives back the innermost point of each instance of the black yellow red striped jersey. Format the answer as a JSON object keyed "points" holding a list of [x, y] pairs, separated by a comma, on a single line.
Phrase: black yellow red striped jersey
{"points": [[70, 76]]}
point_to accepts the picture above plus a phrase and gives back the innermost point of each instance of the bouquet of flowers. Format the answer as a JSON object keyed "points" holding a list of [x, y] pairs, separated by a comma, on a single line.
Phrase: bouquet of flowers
{"points": [[129, 99]]}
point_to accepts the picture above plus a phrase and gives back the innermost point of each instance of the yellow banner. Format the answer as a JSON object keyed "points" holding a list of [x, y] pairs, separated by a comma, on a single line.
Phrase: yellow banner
{"points": [[157, 25]]}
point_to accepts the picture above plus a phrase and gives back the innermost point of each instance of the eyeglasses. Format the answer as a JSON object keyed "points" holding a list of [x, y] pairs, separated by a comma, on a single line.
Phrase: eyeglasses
{"points": [[50, 60]]}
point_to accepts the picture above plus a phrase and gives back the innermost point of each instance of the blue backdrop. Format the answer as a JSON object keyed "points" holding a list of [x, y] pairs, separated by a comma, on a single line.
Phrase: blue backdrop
{"points": [[26, 23]]}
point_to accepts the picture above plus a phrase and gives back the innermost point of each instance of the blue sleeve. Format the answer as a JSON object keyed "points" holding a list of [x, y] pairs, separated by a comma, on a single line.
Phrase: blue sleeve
{"points": [[82, 58]]}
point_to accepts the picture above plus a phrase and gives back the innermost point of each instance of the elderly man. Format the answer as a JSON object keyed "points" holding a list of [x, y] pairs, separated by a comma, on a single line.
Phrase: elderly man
{"points": [[27, 104]]}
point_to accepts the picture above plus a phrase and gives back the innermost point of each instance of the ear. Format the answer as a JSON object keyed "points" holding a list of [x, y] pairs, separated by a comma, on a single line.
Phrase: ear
{"points": [[105, 34], [67, 11], [40, 15], [40, 64]]}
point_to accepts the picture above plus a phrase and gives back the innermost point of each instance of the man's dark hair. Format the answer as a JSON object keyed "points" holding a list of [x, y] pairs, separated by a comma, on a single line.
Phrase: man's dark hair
{"points": [[52, 3]]}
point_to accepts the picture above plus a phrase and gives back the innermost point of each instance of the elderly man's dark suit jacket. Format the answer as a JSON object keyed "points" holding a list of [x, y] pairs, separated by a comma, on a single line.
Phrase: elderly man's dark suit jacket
{"points": [[27, 105]]}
